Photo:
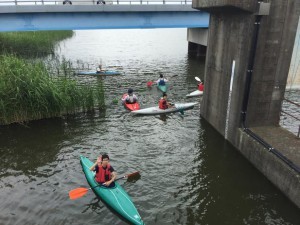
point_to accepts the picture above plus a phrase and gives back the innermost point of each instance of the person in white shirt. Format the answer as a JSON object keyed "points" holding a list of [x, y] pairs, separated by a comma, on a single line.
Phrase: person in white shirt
{"points": [[99, 69], [130, 97]]}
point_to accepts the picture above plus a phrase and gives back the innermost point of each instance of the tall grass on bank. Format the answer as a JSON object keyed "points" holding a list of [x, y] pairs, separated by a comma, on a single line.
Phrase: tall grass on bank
{"points": [[27, 92], [31, 43]]}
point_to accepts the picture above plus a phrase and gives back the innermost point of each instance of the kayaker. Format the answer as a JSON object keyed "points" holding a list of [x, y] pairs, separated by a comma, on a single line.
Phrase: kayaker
{"points": [[161, 81], [99, 69], [163, 103], [105, 173], [130, 97], [201, 86]]}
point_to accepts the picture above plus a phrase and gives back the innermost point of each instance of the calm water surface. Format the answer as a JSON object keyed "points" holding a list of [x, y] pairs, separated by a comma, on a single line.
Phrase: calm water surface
{"points": [[189, 174]]}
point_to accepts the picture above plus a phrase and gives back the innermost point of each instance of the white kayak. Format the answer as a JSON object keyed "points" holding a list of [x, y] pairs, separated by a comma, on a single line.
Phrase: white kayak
{"points": [[155, 110], [195, 93]]}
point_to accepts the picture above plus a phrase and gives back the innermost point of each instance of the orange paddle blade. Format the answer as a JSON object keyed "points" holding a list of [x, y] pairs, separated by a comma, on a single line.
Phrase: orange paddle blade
{"points": [[77, 193], [149, 83]]}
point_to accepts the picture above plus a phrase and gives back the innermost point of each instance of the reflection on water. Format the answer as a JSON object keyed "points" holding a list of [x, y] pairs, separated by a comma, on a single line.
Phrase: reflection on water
{"points": [[189, 173], [22, 151], [94, 206]]}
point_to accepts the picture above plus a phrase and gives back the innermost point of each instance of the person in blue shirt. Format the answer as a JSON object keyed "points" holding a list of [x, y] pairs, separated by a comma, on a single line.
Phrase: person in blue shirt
{"points": [[161, 81]]}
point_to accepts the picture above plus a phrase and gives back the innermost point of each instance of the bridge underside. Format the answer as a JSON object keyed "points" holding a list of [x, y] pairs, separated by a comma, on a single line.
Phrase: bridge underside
{"points": [[101, 20]]}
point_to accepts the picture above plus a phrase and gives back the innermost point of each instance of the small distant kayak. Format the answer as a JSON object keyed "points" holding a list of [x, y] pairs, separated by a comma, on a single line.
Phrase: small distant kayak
{"points": [[156, 110], [195, 93], [115, 197], [131, 106], [163, 88], [102, 73]]}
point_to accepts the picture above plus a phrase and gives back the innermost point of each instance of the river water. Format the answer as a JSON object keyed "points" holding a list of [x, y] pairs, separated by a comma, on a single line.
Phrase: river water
{"points": [[189, 174]]}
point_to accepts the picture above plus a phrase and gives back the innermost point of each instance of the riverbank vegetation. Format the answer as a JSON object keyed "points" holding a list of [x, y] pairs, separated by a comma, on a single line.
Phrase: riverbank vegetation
{"points": [[29, 92], [31, 43]]}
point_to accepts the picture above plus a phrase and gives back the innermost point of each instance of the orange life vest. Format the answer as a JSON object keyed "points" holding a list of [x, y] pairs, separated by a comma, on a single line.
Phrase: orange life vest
{"points": [[102, 173], [162, 104]]}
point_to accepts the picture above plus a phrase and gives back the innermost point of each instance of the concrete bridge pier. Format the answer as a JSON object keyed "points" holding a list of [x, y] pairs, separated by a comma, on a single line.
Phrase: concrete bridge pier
{"points": [[249, 50], [197, 39]]}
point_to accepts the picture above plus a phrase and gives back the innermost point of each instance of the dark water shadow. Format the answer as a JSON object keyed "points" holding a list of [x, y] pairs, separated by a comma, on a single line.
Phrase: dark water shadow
{"points": [[26, 147], [223, 181], [99, 205], [35, 144]]}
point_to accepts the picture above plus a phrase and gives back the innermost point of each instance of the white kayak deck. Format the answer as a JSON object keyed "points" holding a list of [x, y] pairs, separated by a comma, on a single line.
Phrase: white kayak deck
{"points": [[195, 93]]}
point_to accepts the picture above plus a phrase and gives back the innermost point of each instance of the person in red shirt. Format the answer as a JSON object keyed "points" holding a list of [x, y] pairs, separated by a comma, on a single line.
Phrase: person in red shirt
{"points": [[201, 86], [163, 103]]}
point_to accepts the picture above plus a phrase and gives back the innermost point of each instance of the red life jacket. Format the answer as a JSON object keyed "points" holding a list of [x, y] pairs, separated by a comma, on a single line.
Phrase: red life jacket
{"points": [[100, 175], [162, 104], [200, 87]]}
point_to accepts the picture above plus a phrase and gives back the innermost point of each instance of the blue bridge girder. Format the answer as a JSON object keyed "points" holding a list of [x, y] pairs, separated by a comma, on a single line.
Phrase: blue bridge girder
{"points": [[80, 17]]}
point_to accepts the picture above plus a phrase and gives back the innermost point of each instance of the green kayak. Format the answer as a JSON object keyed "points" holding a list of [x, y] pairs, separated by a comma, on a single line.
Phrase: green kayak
{"points": [[114, 197], [163, 88]]}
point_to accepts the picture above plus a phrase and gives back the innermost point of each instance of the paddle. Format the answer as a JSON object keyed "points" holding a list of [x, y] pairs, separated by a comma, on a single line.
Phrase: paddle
{"points": [[200, 85], [179, 109], [149, 83], [79, 192], [197, 79]]}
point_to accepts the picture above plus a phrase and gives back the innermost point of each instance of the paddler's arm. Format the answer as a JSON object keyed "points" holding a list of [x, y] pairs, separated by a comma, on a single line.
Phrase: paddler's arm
{"points": [[99, 160], [113, 178], [92, 168], [170, 105]]}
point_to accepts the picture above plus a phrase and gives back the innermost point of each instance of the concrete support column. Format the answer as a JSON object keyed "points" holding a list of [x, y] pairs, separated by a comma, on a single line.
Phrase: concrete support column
{"points": [[272, 61], [230, 38]]}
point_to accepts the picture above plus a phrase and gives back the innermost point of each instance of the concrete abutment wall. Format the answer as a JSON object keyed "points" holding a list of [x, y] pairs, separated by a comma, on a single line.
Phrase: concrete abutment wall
{"points": [[283, 177]]}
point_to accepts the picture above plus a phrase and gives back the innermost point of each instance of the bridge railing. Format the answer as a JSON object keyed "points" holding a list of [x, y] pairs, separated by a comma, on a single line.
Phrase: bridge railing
{"points": [[95, 2]]}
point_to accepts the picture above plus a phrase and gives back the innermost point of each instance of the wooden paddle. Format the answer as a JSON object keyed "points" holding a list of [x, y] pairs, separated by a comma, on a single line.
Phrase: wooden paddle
{"points": [[79, 192]]}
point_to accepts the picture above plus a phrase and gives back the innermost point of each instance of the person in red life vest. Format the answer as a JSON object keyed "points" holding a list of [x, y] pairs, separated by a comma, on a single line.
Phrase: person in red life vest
{"points": [[163, 103], [201, 86], [105, 173]]}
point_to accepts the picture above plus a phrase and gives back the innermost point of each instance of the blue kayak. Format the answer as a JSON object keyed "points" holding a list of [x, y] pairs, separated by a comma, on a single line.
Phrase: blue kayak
{"points": [[115, 197], [102, 73]]}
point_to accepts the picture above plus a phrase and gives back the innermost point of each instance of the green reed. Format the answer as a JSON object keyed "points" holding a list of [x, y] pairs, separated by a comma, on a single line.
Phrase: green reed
{"points": [[28, 92], [31, 43]]}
